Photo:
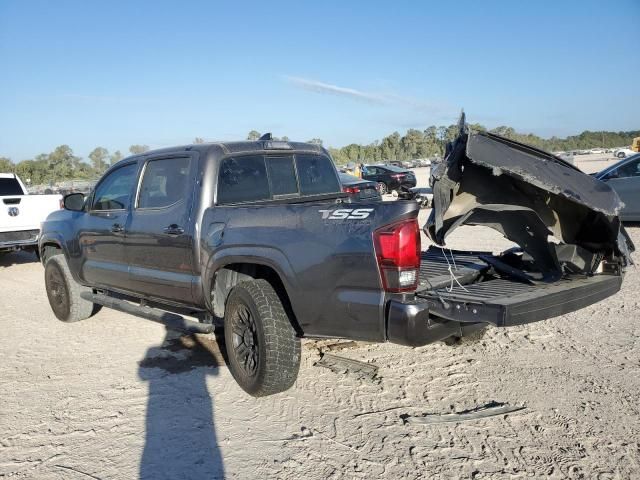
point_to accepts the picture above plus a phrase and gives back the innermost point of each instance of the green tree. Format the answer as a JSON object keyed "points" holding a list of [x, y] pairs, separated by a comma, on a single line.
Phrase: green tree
{"points": [[98, 159], [137, 149], [63, 164], [115, 157], [253, 135], [391, 146], [503, 131], [6, 165]]}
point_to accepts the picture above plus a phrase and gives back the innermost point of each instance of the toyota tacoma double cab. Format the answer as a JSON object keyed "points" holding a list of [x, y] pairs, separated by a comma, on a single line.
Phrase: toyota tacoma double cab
{"points": [[259, 238]]}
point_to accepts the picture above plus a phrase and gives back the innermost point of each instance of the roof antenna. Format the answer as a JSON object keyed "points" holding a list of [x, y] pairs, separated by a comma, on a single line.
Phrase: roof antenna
{"points": [[266, 136]]}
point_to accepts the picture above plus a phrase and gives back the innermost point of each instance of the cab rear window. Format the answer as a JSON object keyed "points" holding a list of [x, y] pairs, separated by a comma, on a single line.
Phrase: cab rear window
{"points": [[10, 186], [254, 178]]}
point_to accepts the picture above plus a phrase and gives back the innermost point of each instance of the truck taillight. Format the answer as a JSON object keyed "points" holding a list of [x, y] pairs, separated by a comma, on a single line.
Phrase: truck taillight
{"points": [[398, 254], [350, 189]]}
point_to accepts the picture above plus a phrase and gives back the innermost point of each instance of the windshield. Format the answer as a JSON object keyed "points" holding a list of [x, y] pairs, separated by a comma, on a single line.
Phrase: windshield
{"points": [[616, 165], [393, 168], [10, 186], [346, 178]]}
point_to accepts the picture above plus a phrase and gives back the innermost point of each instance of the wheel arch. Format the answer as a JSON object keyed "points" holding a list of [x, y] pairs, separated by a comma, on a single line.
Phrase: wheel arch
{"points": [[48, 244], [230, 274]]}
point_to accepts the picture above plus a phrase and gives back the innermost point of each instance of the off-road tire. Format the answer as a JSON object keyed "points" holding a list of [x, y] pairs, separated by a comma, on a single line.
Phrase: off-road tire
{"points": [[620, 155], [272, 343], [64, 292], [382, 188]]}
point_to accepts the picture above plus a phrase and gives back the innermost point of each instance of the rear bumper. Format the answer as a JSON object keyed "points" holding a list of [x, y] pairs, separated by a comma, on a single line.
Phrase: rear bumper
{"points": [[434, 316], [19, 239], [410, 324]]}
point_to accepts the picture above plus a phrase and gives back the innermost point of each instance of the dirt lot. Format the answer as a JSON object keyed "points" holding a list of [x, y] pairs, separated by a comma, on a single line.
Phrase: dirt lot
{"points": [[116, 397]]}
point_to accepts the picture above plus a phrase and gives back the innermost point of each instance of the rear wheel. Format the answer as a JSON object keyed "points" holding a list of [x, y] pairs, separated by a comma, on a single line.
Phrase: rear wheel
{"points": [[620, 155], [262, 346], [64, 292], [382, 188]]}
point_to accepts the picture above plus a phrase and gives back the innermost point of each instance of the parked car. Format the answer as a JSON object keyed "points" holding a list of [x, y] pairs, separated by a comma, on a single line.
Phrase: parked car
{"points": [[623, 152], [359, 190], [390, 178], [567, 157], [624, 178], [255, 237], [21, 214]]}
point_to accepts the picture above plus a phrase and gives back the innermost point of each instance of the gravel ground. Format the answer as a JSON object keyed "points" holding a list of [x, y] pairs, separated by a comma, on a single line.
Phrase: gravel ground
{"points": [[116, 397]]}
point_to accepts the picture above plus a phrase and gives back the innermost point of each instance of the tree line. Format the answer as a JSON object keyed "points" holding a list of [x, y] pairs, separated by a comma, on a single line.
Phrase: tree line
{"points": [[62, 164], [432, 141]]}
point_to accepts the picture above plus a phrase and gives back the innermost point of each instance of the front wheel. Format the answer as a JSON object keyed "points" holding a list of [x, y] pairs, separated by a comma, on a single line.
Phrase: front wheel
{"points": [[620, 155], [64, 292], [262, 346]]}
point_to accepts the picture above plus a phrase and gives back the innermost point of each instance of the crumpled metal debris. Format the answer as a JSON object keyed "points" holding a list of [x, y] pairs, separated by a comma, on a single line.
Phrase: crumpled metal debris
{"points": [[563, 220], [337, 364], [489, 410]]}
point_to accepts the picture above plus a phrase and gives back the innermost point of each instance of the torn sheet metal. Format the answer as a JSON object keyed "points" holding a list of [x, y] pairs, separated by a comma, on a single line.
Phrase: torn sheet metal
{"points": [[533, 198], [490, 410], [349, 366]]}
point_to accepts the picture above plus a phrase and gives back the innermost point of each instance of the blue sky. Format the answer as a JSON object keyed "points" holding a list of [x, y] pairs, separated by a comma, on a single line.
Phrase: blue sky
{"points": [[163, 72]]}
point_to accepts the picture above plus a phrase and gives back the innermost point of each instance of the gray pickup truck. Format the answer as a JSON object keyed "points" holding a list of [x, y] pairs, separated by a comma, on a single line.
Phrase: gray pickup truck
{"points": [[258, 237]]}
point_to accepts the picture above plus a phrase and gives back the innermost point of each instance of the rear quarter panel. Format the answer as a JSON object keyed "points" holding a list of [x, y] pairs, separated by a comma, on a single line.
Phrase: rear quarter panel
{"points": [[326, 264]]}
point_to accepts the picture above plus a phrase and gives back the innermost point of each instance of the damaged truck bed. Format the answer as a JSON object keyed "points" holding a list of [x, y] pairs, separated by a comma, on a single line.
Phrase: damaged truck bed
{"points": [[571, 246]]}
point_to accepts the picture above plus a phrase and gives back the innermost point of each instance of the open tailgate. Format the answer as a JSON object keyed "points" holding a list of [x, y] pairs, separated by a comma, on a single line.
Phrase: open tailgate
{"points": [[572, 248]]}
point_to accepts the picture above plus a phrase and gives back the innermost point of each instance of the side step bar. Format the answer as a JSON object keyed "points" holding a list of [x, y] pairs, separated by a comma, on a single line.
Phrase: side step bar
{"points": [[170, 320]]}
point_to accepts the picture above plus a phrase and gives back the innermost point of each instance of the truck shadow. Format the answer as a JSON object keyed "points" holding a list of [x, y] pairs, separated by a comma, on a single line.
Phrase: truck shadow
{"points": [[7, 259], [180, 432]]}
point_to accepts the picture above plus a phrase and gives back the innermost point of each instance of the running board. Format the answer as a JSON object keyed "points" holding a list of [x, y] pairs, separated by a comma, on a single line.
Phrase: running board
{"points": [[505, 303], [170, 320]]}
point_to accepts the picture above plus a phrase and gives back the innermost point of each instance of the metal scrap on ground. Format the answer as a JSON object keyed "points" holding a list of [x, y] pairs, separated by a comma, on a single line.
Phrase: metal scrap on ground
{"points": [[349, 366], [489, 410]]}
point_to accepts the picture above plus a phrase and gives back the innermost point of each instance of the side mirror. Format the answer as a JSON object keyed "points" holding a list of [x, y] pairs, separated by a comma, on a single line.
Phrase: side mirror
{"points": [[74, 202]]}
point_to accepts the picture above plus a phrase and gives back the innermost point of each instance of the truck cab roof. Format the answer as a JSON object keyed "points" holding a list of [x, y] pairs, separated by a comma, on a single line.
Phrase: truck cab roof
{"points": [[223, 148]]}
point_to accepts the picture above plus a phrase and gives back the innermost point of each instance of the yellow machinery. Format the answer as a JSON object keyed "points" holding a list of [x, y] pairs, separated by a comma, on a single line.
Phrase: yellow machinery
{"points": [[635, 145]]}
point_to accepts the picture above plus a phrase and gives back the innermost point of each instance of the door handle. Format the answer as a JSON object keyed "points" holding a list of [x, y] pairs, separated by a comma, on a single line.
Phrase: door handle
{"points": [[174, 229], [117, 228]]}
